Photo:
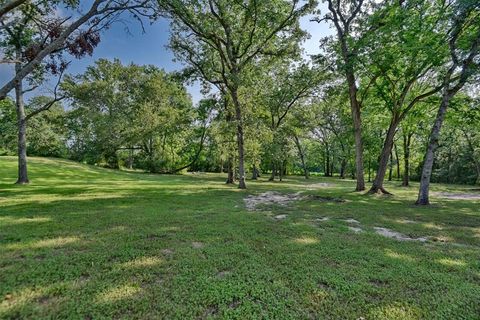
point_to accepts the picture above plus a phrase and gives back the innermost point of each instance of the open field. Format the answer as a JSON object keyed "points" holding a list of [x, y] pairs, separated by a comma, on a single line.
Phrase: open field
{"points": [[82, 242]]}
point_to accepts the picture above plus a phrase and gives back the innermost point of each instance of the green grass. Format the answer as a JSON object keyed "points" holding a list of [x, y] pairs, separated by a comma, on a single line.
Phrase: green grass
{"points": [[82, 242]]}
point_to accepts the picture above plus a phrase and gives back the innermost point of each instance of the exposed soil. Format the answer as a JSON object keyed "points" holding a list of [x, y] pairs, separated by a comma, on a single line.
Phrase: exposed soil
{"points": [[459, 196], [396, 235], [270, 198]]}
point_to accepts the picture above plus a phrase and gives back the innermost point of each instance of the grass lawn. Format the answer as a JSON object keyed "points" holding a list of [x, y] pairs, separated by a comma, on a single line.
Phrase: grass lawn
{"points": [[82, 242]]}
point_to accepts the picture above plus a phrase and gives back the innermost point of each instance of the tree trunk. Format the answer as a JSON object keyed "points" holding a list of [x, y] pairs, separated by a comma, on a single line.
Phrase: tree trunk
{"points": [[274, 169], [357, 123], [327, 159], [397, 160], [423, 192], [369, 169], [254, 173], [474, 159], [302, 156], [22, 128], [384, 157], [280, 171], [343, 166], [406, 159], [390, 169], [240, 143], [230, 175]]}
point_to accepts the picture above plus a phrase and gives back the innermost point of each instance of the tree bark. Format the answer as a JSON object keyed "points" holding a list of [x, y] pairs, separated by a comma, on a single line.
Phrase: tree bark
{"points": [[390, 169], [302, 155], [369, 169], [397, 160], [423, 192], [377, 185], [406, 159], [254, 173], [272, 176], [240, 142], [22, 127], [230, 175], [10, 5], [327, 160], [357, 126]]}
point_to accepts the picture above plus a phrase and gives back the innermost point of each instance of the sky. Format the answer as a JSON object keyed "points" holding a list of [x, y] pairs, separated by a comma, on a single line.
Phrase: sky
{"points": [[149, 47]]}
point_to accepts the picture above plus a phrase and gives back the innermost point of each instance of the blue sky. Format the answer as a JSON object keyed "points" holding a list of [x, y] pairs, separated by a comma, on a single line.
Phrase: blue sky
{"points": [[150, 48]]}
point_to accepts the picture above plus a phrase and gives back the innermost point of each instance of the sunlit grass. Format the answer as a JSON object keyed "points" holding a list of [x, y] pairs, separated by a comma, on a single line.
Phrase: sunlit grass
{"points": [[82, 242]]}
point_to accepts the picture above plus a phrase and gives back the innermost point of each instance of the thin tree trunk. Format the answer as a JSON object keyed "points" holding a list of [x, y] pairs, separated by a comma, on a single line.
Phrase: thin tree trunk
{"points": [[390, 169], [474, 159], [397, 160], [254, 173], [230, 175], [280, 171], [22, 127], [384, 157], [369, 169], [327, 159], [406, 159], [240, 143], [302, 155], [423, 192], [274, 167]]}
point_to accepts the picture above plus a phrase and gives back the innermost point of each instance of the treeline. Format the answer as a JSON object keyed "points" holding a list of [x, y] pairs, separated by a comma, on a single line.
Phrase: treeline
{"points": [[393, 95], [140, 117]]}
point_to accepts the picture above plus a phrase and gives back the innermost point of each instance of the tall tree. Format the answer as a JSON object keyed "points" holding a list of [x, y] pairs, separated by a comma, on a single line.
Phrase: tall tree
{"points": [[403, 65], [344, 15], [221, 39], [464, 45]]}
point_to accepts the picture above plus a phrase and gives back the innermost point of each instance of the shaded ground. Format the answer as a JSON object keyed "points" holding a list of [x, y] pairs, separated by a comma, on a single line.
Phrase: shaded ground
{"points": [[87, 243]]}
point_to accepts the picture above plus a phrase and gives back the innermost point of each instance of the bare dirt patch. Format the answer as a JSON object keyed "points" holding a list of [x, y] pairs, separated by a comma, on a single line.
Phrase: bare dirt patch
{"points": [[352, 221], [270, 198], [458, 196], [396, 235], [355, 229], [167, 252], [197, 245]]}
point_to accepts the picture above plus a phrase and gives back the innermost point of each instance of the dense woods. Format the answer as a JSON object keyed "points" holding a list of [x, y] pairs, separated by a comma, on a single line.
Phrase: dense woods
{"points": [[392, 96]]}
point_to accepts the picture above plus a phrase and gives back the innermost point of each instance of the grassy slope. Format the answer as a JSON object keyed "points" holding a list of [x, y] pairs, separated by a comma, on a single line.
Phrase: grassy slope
{"points": [[87, 243]]}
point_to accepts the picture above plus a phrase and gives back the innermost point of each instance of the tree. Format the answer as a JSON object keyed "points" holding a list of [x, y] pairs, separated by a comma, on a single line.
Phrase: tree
{"points": [[221, 40], [464, 47], [403, 66], [344, 15], [55, 35]]}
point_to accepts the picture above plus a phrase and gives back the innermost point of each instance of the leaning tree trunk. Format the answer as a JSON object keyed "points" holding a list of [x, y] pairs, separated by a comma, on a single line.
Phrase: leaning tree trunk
{"points": [[377, 185], [423, 192], [390, 169], [240, 142], [406, 159], [22, 129]]}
